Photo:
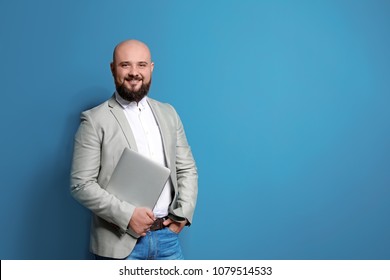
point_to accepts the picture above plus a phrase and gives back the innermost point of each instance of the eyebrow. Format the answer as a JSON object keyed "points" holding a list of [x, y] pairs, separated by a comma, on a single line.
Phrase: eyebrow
{"points": [[128, 62]]}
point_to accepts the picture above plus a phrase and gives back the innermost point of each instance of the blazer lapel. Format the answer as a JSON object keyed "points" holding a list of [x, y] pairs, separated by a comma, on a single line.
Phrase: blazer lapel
{"points": [[118, 113]]}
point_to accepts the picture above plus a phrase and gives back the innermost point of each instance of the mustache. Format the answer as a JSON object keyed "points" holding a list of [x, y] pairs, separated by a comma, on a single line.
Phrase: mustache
{"points": [[133, 78]]}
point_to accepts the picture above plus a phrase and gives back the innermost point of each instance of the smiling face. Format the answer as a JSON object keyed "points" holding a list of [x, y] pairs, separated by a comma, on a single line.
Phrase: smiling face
{"points": [[132, 70]]}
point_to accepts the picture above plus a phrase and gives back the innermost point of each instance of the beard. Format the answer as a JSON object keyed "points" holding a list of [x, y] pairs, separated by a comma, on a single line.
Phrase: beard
{"points": [[133, 95]]}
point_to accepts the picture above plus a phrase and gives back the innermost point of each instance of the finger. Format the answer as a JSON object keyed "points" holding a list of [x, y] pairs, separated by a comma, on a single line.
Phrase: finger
{"points": [[150, 214], [173, 227], [167, 222]]}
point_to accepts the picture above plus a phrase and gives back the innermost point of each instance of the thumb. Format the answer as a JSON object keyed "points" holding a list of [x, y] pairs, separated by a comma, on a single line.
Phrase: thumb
{"points": [[149, 213], [167, 222]]}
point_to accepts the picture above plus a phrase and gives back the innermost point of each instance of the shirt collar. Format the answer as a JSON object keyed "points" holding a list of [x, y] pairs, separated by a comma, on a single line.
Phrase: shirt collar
{"points": [[127, 104]]}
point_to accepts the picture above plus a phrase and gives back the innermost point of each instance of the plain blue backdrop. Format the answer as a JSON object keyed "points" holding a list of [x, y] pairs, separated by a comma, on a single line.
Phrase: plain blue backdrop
{"points": [[285, 105]]}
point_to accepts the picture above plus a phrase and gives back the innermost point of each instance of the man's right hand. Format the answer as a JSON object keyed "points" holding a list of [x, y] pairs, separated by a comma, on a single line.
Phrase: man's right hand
{"points": [[141, 220]]}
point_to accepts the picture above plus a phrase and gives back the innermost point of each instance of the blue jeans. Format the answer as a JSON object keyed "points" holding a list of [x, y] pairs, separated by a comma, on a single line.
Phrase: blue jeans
{"points": [[156, 245]]}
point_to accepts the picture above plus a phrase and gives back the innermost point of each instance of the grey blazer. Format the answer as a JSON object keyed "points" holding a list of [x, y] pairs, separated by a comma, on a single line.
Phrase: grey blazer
{"points": [[103, 134]]}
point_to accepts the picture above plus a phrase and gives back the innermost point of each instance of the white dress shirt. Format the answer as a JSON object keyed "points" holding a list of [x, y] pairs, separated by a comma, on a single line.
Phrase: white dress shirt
{"points": [[148, 138]]}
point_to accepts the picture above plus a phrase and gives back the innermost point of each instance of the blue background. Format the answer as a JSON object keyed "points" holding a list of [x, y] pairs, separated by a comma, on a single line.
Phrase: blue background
{"points": [[285, 105]]}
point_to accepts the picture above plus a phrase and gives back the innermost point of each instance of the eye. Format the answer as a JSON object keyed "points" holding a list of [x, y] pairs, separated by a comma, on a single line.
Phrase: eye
{"points": [[142, 65]]}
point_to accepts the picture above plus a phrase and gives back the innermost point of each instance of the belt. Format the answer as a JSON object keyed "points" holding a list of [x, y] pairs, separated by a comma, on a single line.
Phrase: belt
{"points": [[158, 224]]}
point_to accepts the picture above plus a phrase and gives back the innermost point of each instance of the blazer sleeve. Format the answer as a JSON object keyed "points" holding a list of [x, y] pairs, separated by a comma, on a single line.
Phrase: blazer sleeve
{"points": [[187, 175], [86, 165]]}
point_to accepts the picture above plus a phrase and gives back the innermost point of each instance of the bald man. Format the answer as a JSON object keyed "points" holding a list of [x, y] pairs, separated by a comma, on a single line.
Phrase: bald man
{"points": [[131, 119]]}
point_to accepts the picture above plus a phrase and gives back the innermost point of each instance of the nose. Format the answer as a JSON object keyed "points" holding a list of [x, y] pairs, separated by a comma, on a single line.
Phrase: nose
{"points": [[133, 71]]}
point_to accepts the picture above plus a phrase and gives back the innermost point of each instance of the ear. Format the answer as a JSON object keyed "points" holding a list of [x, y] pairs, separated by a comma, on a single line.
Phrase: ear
{"points": [[151, 66], [112, 68]]}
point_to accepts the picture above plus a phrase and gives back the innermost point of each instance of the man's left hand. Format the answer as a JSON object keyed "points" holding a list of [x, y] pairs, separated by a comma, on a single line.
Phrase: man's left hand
{"points": [[174, 226]]}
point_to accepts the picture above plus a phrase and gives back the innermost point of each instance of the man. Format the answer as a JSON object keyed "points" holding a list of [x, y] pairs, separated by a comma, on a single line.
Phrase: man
{"points": [[131, 119]]}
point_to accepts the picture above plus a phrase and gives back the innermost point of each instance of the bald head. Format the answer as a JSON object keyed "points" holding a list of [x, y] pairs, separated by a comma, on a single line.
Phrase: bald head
{"points": [[134, 46]]}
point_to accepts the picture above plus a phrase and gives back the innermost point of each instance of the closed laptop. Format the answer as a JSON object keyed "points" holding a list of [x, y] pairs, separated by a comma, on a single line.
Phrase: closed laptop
{"points": [[138, 180]]}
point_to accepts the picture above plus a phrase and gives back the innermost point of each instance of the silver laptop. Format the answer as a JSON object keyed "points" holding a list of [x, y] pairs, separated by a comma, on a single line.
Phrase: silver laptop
{"points": [[138, 179]]}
